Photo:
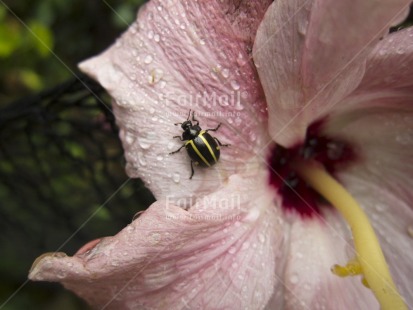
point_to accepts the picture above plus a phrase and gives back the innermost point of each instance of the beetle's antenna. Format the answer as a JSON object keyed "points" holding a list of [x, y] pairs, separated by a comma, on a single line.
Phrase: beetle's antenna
{"points": [[177, 124], [189, 115]]}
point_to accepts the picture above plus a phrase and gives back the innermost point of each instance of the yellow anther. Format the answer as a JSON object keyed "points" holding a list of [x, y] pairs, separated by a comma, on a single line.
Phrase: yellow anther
{"points": [[370, 257], [352, 268]]}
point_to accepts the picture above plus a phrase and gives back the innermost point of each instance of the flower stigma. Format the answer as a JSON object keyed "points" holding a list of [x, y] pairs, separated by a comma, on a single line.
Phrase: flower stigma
{"points": [[302, 176]]}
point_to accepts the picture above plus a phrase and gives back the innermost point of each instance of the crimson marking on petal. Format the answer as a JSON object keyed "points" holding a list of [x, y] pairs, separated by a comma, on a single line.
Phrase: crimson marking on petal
{"points": [[335, 154]]}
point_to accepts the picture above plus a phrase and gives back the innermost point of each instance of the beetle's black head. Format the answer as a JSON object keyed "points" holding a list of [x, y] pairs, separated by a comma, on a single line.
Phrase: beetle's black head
{"points": [[186, 125]]}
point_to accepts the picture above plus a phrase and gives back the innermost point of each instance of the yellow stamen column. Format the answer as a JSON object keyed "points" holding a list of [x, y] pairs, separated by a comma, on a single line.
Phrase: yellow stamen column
{"points": [[369, 254]]}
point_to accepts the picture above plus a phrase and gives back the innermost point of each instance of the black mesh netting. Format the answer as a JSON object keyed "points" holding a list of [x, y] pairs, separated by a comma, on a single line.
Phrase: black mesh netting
{"points": [[62, 178]]}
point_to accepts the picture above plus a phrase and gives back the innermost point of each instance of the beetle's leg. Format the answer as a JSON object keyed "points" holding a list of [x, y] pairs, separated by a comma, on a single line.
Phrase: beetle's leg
{"points": [[180, 138], [177, 150], [220, 144], [194, 119], [214, 129], [192, 169]]}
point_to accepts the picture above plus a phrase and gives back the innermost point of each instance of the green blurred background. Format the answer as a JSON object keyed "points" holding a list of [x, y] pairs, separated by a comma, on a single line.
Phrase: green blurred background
{"points": [[60, 157]]}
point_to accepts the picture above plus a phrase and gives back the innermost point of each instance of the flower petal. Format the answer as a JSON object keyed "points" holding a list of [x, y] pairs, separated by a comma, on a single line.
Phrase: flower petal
{"points": [[310, 54], [181, 56], [317, 245], [221, 254], [389, 66], [381, 132]]}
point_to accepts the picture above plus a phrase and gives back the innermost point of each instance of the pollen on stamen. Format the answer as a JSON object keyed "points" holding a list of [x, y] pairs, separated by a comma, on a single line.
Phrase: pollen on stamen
{"points": [[297, 196]]}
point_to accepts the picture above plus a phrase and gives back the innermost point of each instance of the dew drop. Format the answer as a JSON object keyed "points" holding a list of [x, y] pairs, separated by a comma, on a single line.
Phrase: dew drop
{"points": [[261, 237], [150, 35], [234, 265], [245, 245], [294, 279], [400, 51], [142, 160], [162, 84], [155, 237], [144, 143], [232, 250], [152, 110], [176, 177], [159, 157], [129, 138], [235, 85], [225, 73], [148, 59], [381, 207], [61, 274], [202, 42], [156, 38]]}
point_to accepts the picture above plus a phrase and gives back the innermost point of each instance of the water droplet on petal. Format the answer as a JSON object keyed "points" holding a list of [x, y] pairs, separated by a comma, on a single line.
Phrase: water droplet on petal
{"points": [[155, 237], [176, 177], [148, 59], [156, 38], [261, 237], [129, 137], [232, 250], [235, 85], [61, 274], [225, 73], [294, 279], [245, 245], [141, 159]]}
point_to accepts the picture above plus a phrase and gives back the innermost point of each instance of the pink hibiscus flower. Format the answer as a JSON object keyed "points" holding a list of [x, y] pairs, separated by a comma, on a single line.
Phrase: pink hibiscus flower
{"points": [[290, 81]]}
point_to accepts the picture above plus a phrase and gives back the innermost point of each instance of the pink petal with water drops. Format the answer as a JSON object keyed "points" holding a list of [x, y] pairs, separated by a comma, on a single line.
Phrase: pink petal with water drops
{"points": [[224, 253], [377, 119], [378, 122], [311, 54], [389, 66], [317, 245], [177, 56]]}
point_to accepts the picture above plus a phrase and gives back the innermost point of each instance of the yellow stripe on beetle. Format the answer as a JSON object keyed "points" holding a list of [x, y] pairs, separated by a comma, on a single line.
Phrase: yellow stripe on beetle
{"points": [[201, 135], [191, 142]]}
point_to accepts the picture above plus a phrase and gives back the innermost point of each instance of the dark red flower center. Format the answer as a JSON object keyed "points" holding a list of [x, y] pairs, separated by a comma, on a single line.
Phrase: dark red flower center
{"points": [[297, 196]]}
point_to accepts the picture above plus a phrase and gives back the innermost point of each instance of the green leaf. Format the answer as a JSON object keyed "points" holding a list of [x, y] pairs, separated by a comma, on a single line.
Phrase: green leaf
{"points": [[42, 38], [9, 39], [31, 79]]}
